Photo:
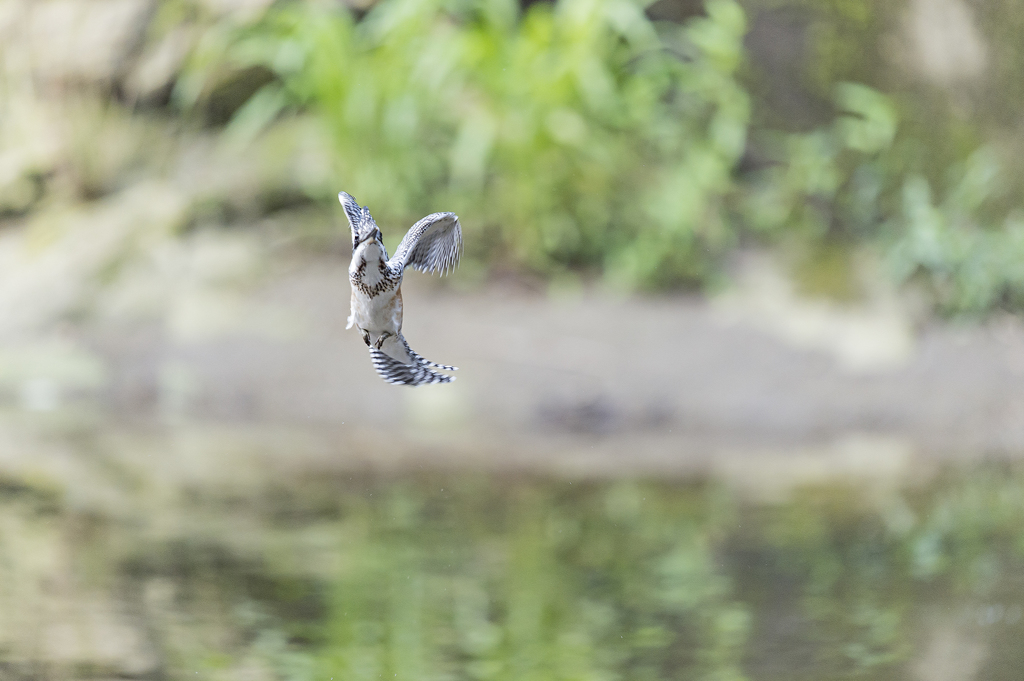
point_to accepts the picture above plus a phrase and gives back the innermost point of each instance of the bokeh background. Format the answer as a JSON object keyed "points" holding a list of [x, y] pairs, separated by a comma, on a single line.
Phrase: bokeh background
{"points": [[741, 363]]}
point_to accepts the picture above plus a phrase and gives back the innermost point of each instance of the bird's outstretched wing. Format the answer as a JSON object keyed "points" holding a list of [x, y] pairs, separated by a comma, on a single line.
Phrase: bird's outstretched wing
{"points": [[432, 244], [393, 371]]}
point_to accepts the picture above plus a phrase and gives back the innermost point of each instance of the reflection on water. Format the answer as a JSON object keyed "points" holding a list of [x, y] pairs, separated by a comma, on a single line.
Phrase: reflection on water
{"points": [[124, 557]]}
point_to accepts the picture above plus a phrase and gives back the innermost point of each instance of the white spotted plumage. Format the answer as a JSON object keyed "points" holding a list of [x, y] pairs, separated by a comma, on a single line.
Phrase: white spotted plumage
{"points": [[432, 244]]}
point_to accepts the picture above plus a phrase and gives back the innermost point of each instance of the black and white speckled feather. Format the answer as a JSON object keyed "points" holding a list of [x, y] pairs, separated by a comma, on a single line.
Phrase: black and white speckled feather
{"points": [[432, 244], [422, 361], [397, 373]]}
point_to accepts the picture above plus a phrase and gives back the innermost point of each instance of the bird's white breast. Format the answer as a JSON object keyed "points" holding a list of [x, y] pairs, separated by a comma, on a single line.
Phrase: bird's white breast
{"points": [[366, 263], [374, 289]]}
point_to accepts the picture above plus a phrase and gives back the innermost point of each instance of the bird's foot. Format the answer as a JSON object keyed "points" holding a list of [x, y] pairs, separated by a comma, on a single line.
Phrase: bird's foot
{"points": [[383, 337], [366, 337]]}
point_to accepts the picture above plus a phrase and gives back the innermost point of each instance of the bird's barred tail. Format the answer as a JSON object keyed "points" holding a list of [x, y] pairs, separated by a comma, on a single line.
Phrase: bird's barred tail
{"points": [[422, 361], [393, 371], [396, 363]]}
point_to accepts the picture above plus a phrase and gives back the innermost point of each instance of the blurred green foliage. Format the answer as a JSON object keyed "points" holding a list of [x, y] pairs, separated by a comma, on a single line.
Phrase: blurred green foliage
{"points": [[828, 180], [971, 260], [576, 135], [581, 136]]}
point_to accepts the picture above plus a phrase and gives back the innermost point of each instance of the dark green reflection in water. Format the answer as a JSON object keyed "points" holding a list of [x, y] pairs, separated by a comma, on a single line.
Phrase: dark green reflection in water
{"points": [[477, 577]]}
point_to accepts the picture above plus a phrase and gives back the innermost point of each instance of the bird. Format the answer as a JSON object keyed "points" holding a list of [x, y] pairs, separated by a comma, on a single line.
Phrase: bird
{"points": [[433, 244]]}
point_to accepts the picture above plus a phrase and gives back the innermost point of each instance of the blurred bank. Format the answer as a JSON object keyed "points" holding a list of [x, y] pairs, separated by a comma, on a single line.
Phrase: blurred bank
{"points": [[768, 254]]}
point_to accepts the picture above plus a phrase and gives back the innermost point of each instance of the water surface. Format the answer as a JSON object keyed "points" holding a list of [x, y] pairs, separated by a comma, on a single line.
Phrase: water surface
{"points": [[152, 557]]}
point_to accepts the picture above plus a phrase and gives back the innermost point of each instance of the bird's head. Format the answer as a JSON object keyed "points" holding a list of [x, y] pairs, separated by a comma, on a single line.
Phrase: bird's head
{"points": [[367, 231], [364, 228]]}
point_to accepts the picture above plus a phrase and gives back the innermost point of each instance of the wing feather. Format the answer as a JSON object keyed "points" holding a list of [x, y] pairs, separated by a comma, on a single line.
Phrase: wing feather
{"points": [[433, 244], [359, 218]]}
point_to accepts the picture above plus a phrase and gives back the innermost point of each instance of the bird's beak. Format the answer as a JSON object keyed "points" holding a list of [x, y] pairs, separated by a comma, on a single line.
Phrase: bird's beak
{"points": [[374, 235]]}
